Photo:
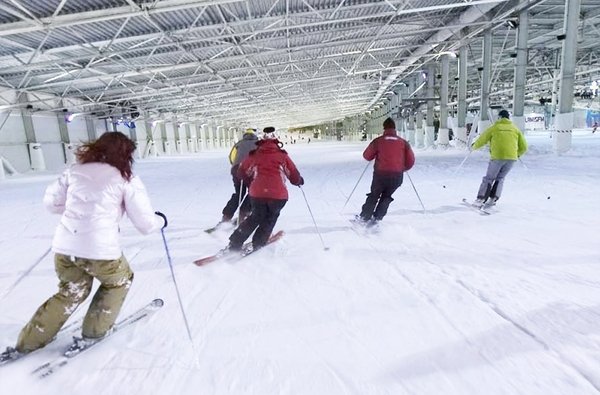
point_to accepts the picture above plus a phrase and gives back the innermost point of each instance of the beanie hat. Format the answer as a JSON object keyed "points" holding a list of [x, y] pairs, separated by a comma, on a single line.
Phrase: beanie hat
{"points": [[269, 133], [504, 114], [389, 124]]}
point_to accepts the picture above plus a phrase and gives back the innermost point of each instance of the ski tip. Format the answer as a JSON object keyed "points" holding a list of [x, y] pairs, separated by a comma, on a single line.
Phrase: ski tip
{"points": [[158, 302], [204, 261]]}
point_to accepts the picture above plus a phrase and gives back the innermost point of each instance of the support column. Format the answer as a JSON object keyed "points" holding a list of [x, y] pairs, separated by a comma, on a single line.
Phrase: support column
{"points": [[219, 136], [429, 129], [410, 129], [565, 117], [419, 131], [151, 127], [68, 148], [90, 128], [200, 135], [443, 135], [36, 155], [460, 134], [181, 137], [484, 118], [521, 71], [165, 138]]}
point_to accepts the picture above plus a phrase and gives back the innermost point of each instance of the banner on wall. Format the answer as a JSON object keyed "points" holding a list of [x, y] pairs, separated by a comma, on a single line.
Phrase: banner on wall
{"points": [[592, 118], [535, 121]]}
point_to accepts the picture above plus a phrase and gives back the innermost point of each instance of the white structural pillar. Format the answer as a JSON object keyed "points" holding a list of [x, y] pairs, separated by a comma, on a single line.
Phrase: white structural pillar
{"points": [[181, 137], [429, 129], [210, 135], [419, 130], [565, 117], [443, 134], [36, 155], [68, 148], [200, 134], [151, 127], [410, 129], [521, 70], [460, 131], [165, 139], [218, 135], [192, 139], [89, 126], [484, 118]]}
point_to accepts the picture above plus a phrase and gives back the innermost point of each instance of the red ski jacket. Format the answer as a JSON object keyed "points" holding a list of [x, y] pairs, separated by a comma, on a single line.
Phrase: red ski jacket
{"points": [[392, 153], [266, 169]]}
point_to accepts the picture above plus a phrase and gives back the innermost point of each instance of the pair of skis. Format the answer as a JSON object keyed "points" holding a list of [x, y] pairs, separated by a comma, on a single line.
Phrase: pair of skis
{"points": [[480, 209], [246, 250], [365, 227], [78, 346]]}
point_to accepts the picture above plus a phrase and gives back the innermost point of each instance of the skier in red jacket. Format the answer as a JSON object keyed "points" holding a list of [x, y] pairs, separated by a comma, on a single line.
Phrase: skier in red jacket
{"points": [[265, 170], [393, 156]]}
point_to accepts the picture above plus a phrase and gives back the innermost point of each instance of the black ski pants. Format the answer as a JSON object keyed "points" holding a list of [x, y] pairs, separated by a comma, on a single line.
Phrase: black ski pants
{"points": [[262, 219], [234, 201], [378, 200]]}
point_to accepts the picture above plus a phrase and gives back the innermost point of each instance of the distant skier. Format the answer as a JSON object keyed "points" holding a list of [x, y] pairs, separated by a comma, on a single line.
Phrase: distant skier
{"points": [[507, 144], [393, 156], [265, 170], [91, 196], [238, 153]]}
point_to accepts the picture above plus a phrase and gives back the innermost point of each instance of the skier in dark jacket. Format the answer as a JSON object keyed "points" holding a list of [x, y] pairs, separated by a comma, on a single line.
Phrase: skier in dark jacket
{"points": [[265, 170], [393, 156], [238, 153]]}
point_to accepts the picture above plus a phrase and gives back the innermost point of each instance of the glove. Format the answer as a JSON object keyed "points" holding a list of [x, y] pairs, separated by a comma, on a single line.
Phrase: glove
{"points": [[164, 217], [300, 182]]}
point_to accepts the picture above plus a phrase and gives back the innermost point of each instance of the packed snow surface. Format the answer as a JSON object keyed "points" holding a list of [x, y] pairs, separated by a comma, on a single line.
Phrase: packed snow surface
{"points": [[440, 300]]}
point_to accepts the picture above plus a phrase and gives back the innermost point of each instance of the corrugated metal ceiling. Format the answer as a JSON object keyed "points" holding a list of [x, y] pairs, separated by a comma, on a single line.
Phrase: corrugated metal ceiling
{"points": [[312, 60]]}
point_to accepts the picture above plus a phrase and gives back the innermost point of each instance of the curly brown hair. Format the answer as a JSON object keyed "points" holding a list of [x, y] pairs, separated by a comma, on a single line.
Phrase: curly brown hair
{"points": [[113, 148]]}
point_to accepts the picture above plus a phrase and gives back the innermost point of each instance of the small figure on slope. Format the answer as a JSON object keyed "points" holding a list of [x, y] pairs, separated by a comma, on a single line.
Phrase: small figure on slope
{"points": [[393, 156], [238, 153], [265, 170], [507, 144], [91, 196]]}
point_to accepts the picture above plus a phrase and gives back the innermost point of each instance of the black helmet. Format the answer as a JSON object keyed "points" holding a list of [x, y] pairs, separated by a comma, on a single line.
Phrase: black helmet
{"points": [[503, 114]]}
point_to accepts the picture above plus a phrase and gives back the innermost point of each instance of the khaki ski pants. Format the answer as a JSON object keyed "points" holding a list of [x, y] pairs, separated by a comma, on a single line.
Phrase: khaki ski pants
{"points": [[76, 276]]}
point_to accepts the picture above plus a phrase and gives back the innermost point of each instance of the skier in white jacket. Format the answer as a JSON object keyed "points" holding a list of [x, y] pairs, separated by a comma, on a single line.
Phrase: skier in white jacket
{"points": [[91, 196]]}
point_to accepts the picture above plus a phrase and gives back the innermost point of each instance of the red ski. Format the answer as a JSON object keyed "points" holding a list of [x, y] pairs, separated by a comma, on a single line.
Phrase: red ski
{"points": [[246, 250]]}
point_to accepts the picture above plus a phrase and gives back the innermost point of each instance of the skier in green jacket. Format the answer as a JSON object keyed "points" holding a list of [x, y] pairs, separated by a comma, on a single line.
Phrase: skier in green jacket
{"points": [[507, 144]]}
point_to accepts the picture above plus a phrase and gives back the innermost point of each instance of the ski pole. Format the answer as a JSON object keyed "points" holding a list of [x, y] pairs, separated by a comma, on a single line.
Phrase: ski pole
{"points": [[185, 320], [531, 173], [357, 182], [240, 202], [24, 274], [417, 193], [460, 166], [313, 218]]}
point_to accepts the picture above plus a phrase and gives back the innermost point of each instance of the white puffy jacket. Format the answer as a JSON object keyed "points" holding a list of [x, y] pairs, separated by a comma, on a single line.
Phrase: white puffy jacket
{"points": [[92, 198]]}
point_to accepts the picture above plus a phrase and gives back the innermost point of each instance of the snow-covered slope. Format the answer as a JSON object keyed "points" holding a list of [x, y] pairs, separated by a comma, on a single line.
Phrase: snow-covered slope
{"points": [[445, 301]]}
